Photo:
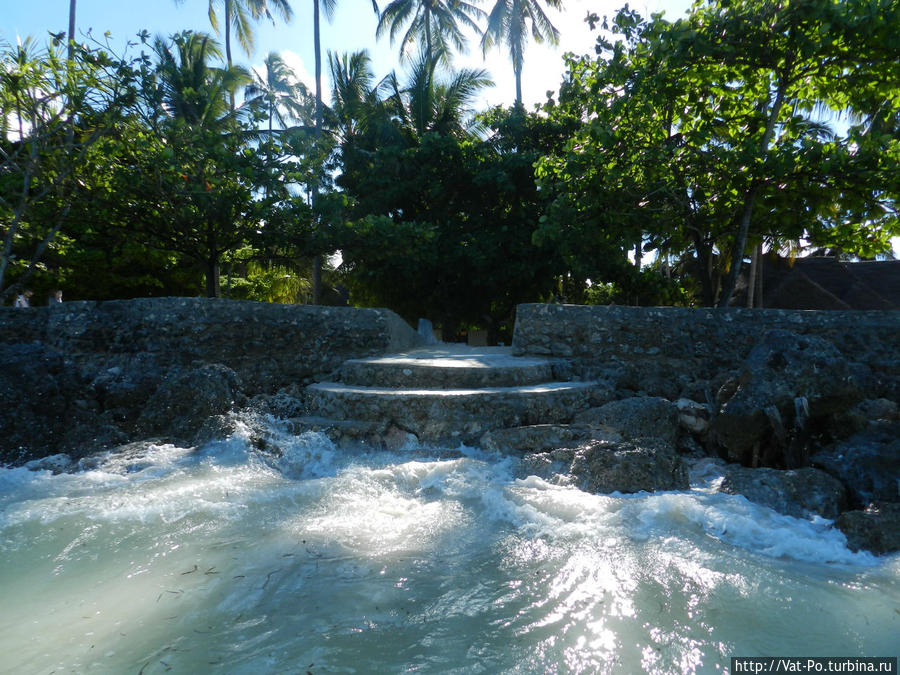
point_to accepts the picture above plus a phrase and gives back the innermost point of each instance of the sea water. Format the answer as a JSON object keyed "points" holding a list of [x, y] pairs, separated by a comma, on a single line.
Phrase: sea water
{"points": [[306, 558]]}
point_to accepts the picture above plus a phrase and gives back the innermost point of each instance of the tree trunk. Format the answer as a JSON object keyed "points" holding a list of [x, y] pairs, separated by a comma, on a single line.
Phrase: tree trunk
{"points": [[314, 187], [751, 278], [212, 279], [740, 241], [72, 4]]}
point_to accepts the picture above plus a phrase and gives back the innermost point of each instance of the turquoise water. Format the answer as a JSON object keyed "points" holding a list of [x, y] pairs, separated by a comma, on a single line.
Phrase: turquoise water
{"points": [[223, 559]]}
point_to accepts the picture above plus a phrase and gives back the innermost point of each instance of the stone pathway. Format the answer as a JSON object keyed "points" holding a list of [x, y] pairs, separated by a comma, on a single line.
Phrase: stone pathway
{"points": [[449, 392]]}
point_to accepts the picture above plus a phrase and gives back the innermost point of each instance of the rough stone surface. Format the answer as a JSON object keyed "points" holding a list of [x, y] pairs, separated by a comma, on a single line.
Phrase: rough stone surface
{"points": [[447, 366], [875, 529], [546, 437], [186, 398], [797, 492], [788, 382], [84, 374], [868, 463], [669, 342], [452, 414], [636, 417], [650, 465]]}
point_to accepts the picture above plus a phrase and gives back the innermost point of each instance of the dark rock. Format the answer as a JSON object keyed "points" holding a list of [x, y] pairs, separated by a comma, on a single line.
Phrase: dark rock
{"points": [[56, 464], [38, 391], [876, 529], [796, 492], [636, 417], [544, 437], [868, 463], [187, 398], [878, 409], [787, 382], [651, 465]]}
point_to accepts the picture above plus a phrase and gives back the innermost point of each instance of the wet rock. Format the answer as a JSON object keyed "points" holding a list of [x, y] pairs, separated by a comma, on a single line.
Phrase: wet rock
{"points": [[544, 437], [56, 464], [651, 465], [868, 463], [693, 417], [875, 529], [787, 382], [794, 492], [187, 398], [38, 391], [636, 417], [878, 409]]}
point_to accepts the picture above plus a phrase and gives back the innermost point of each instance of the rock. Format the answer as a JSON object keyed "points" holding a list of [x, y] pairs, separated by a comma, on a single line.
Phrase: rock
{"points": [[187, 398], [651, 465], [636, 417], [868, 463], [693, 417], [59, 463], [794, 492], [38, 390], [544, 437], [787, 381], [876, 529], [878, 409]]}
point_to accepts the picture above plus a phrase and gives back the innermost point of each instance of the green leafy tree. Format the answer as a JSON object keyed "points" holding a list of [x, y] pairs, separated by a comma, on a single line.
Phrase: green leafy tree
{"points": [[704, 137], [507, 23], [440, 222], [55, 105]]}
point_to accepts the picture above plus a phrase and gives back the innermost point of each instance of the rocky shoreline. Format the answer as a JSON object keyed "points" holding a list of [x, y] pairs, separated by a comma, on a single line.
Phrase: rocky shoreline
{"points": [[792, 421]]}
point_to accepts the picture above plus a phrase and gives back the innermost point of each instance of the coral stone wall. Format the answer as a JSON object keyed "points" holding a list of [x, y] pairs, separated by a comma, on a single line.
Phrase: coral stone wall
{"points": [[703, 339], [267, 345]]}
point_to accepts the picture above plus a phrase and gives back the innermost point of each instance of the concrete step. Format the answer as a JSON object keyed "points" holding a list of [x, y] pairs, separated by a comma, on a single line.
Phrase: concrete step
{"points": [[447, 367], [463, 414]]}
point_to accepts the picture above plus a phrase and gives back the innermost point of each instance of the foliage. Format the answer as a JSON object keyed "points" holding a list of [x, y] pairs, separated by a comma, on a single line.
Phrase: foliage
{"points": [[433, 25], [441, 226], [507, 24], [705, 136], [54, 110]]}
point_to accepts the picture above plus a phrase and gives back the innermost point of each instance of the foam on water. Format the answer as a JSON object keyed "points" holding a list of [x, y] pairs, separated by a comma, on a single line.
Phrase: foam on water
{"points": [[226, 559]]}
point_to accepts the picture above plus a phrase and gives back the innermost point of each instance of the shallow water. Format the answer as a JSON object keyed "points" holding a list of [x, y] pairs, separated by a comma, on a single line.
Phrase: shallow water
{"points": [[224, 559]]}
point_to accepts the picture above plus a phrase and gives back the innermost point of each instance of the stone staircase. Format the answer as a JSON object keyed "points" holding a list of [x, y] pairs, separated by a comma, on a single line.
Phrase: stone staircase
{"points": [[449, 392]]}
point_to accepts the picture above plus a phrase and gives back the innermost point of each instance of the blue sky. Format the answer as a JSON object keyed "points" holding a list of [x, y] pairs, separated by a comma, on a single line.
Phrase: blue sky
{"points": [[353, 28]]}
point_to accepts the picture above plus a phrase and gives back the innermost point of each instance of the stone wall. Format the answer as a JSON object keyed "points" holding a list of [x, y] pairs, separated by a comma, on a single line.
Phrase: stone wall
{"points": [[268, 345], [82, 376], [704, 341]]}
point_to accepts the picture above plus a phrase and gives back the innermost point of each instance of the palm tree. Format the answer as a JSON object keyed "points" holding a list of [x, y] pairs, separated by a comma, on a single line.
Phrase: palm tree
{"points": [[278, 91], [507, 24], [329, 7], [427, 104], [437, 22], [240, 14], [188, 88]]}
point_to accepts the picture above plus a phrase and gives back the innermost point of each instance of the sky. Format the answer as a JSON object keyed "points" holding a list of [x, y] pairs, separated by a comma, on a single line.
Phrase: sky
{"points": [[352, 29]]}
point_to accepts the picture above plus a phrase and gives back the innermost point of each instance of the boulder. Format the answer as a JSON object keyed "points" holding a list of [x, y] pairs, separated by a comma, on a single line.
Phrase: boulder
{"points": [[693, 417], [868, 463], [636, 417], [875, 529], [650, 465], [187, 398], [794, 492], [42, 401], [545, 437], [787, 381]]}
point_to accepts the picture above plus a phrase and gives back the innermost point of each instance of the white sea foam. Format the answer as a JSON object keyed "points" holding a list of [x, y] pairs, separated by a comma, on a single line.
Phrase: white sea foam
{"points": [[223, 558]]}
